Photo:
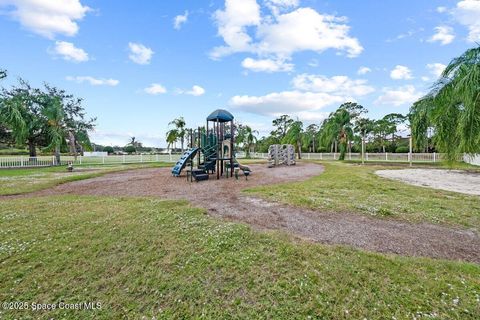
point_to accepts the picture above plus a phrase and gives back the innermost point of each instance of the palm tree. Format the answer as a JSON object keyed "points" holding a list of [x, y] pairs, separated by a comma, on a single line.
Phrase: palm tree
{"points": [[180, 124], [55, 115], [364, 126], [311, 133], [452, 108], [338, 128], [249, 140], [294, 136], [172, 137]]}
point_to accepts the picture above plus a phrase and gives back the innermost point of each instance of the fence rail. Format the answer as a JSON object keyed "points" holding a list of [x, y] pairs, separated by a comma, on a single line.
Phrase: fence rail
{"points": [[45, 161], [379, 157]]}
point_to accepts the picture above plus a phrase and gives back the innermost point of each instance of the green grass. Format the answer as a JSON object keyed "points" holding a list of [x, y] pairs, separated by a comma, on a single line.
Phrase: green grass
{"points": [[354, 188], [149, 258], [18, 181]]}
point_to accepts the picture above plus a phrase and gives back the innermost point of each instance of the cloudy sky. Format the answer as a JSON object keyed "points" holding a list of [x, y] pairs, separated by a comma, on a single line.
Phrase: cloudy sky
{"points": [[139, 64]]}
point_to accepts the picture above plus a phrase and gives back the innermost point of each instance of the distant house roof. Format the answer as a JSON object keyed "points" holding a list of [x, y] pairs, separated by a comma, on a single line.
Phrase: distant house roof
{"points": [[220, 115]]}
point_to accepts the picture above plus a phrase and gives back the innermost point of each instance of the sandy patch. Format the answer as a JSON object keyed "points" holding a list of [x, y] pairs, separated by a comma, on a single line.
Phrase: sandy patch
{"points": [[449, 180]]}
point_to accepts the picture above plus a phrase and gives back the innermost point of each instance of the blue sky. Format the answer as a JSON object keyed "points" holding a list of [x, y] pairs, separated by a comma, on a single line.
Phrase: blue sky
{"points": [[139, 64]]}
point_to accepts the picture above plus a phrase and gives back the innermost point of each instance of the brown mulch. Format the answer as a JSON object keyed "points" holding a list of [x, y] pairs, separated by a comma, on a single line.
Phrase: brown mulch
{"points": [[223, 198]]}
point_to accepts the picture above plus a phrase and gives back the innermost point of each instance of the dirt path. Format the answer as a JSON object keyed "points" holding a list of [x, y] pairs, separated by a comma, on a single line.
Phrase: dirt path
{"points": [[223, 199], [450, 180]]}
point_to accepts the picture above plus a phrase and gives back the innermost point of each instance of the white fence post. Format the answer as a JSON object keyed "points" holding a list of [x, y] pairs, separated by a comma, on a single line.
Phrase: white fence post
{"points": [[434, 157], [22, 162], [54, 160], [123, 158], [366, 156], [141, 157], [386, 156], [103, 160], [156, 157]]}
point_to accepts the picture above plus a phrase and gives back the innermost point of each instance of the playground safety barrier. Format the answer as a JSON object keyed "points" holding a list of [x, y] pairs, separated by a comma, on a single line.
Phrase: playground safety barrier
{"points": [[45, 161]]}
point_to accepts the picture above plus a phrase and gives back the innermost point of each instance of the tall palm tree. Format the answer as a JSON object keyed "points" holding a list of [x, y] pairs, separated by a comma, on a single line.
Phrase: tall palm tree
{"points": [[249, 140], [294, 136], [311, 133], [364, 126], [180, 126], [56, 131], [452, 108], [172, 137], [338, 128]]}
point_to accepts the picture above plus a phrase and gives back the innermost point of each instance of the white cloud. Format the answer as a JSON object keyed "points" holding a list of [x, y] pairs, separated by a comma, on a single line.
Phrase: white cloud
{"points": [[48, 17], [155, 89], [179, 20], [441, 9], [277, 6], [338, 85], [232, 23], [307, 99], [467, 13], [436, 69], [94, 81], [424, 78], [139, 53], [401, 73], [267, 65], [364, 70], [443, 34], [284, 3], [196, 91], [306, 29], [278, 37], [296, 103], [69, 52], [399, 96]]}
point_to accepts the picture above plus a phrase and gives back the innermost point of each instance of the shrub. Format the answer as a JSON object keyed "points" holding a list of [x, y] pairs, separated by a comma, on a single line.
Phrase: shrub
{"points": [[402, 149], [108, 149], [129, 149]]}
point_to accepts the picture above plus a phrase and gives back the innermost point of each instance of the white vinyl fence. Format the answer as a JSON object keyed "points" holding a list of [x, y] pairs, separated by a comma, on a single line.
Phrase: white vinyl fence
{"points": [[379, 157], [44, 161]]}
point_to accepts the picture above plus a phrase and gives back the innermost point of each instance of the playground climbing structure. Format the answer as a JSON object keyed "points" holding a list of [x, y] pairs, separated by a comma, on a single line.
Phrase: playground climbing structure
{"points": [[213, 148], [281, 154]]}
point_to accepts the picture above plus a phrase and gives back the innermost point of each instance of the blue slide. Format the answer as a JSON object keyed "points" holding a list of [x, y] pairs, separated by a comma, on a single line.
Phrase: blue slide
{"points": [[182, 162]]}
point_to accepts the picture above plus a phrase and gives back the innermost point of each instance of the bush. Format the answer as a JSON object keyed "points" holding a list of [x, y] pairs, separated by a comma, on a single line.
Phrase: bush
{"points": [[129, 149], [108, 149], [402, 149]]}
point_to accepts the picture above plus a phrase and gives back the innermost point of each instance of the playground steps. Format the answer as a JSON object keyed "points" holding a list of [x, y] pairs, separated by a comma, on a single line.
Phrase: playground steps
{"points": [[199, 175], [184, 159]]}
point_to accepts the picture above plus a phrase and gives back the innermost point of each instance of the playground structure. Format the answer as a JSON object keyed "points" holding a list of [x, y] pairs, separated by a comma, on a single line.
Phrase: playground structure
{"points": [[213, 149], [281, 154]]}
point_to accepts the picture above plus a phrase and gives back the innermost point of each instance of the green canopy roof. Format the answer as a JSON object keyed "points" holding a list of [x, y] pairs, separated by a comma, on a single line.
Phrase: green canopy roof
{"points": [[220, 115]]}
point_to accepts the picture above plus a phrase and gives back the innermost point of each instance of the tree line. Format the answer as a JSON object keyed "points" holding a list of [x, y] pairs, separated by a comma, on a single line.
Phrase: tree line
{"points": [[46, 117], [446, 120]]}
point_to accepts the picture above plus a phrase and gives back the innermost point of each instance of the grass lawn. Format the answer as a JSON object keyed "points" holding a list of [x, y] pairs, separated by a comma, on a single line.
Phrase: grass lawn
{"points": [[346, 187], [146, 257], [17, 181]]}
